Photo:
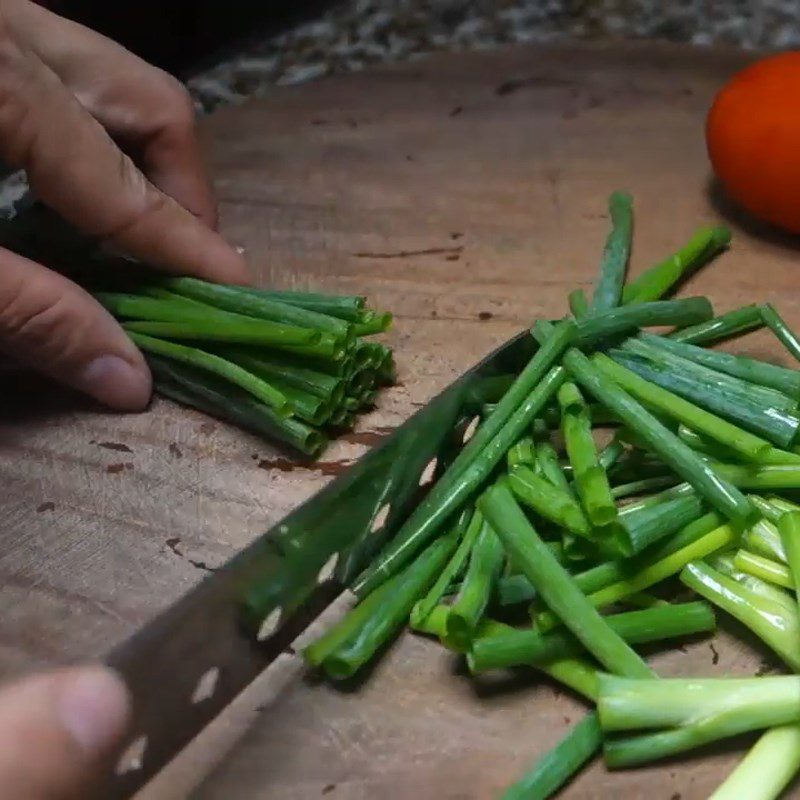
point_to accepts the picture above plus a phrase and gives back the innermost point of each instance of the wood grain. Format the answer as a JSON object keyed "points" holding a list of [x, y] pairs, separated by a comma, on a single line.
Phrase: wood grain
{"points": [[467, 193]]}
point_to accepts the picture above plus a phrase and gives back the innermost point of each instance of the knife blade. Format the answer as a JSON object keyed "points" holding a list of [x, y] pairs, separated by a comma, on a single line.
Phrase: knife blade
{"points": [[231, 626]]}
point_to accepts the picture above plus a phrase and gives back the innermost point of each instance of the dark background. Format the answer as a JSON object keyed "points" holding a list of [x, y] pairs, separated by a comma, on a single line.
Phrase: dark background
{"points": [[183, 36]]}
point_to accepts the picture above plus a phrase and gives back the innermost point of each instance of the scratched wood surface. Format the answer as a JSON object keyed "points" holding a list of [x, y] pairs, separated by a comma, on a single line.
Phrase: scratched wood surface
{"points": [[466, 193]]}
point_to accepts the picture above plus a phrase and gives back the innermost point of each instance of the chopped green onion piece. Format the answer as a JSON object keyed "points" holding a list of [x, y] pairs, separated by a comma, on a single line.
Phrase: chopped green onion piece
{"points": [[558, 766], [578, 304], [352, 643], [789, 527], [470, 522], [521, 647], [616, 253], [521, 453], [641, 528], [747, 445], [485, 563], [767, 768], [765, 539], [734, 323], [531, 391], [653, 573], [589, 477], [764, 568], [547, 460], [749, 369], [719, 492], [596, 328], [786, 336], [657, 281], [548, 501], [554, 584], [698, 711], [775, 623]]}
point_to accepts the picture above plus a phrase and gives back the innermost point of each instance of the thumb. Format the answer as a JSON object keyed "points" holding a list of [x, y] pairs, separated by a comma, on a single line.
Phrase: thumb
{"points": [[58, 730], [52, 325]]}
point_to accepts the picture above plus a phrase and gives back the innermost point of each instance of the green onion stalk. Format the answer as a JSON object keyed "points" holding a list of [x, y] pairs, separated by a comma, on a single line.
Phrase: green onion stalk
{"points": [[692, 712], [767, 769], [614, 264], [648, 576], [748, 369], [554, 584], [533, 389], [789, 527], [589, 477], [762, 411], [531, 647], [656, 282], [785, 335], [352, 643], [558, 766], [548, 501], [485, 563], [720, 493], [734, 323], [775, 623]]}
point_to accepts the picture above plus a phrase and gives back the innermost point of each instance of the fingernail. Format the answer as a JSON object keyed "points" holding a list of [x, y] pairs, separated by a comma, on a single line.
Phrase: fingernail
{"points": [[94, 708], [117, 383]]}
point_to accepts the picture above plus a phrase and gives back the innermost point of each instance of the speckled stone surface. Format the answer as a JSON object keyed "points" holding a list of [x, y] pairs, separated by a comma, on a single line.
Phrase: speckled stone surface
{"points": [[358, 33]]}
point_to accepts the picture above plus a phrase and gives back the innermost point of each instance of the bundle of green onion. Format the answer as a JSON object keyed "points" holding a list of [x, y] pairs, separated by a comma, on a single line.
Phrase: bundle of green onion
{"points": [[614, 461], [292, 365]]}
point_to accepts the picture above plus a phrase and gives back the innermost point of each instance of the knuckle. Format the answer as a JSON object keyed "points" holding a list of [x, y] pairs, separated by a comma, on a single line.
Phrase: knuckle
{"points": [[178, 107], [144, 202]]}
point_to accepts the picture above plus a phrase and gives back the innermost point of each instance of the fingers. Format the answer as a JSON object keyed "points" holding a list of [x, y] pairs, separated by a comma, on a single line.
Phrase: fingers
{"points": [[142, 107], [57, 730], [55, 327], [76, 169]]}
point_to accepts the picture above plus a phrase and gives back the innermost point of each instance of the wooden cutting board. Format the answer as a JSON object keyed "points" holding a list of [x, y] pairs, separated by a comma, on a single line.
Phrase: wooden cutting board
{"points": [[467, 193]]}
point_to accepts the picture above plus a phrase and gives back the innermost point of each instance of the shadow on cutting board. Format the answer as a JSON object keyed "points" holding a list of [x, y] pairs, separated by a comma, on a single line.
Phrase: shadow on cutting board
{"points": [[736, 216]]}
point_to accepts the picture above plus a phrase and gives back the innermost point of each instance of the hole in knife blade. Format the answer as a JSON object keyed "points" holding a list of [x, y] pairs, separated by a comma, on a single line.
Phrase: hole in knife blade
{"points": [[270, 624], [133, 757], [327, 569], [471, 428], [206, 686], [428, 472], [380, 518]]}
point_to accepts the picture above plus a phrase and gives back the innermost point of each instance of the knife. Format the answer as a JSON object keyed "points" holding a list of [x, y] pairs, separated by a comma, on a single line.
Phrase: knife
{"points": [[186, 665]]}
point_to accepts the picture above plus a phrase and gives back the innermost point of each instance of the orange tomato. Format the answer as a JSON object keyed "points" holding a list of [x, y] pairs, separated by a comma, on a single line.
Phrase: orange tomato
{"points": [[753, 138]]}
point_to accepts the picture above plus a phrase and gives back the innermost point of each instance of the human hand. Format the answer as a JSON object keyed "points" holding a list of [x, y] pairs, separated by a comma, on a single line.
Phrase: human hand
{"points": [[57, 732], [71, 102]]}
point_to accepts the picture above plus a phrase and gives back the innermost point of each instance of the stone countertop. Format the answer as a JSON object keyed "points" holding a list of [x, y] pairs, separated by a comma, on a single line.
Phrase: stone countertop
{"points": [[355, 34]]}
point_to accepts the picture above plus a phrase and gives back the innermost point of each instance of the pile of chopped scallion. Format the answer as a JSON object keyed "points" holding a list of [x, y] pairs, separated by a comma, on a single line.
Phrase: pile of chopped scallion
{"points": [[291, 365], [615, 461]]}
